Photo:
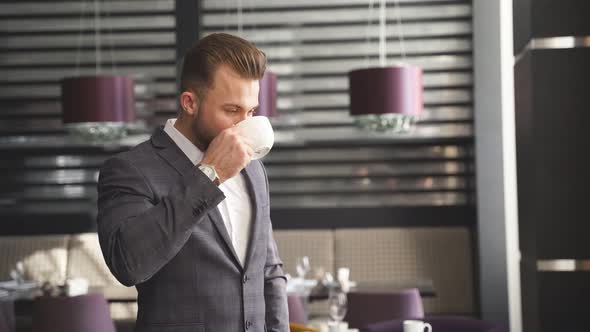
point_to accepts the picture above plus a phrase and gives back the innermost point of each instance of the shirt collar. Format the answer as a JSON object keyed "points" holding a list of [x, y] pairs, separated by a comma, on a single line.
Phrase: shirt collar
{"points": [[190, 150]]}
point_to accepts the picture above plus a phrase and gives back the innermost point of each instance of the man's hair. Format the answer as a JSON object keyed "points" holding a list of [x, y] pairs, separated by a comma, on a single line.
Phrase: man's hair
{"points": [[206, 55]]}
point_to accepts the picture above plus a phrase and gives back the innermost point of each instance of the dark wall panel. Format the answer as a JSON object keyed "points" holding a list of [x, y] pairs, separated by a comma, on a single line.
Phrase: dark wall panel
{"points": [[525, 155], [522, 23], [561, 137], [530, 295], [552, 139], [552, 144], [564, 301], [560, 18], [549, 18]]}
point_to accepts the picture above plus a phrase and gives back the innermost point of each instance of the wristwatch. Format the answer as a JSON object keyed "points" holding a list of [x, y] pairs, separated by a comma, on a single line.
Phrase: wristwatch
{"points": [[210, 172]]}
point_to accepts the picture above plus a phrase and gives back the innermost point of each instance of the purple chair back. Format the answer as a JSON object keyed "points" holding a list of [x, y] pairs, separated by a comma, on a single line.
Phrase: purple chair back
{"points": [[84, 313], [297, 312], [439, 324], [367, 308], [7, 319]]}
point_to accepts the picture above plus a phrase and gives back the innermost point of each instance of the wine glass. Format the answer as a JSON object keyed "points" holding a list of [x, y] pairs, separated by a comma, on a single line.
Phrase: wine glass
{"points": [[303, 266], [338, 304]]}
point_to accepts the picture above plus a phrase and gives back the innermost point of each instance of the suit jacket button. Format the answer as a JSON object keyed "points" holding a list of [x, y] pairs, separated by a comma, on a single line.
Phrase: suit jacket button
{"points": [[248, 324], [245, 279]]}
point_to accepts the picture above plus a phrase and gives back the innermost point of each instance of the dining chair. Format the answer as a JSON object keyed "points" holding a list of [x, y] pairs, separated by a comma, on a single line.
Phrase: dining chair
{"points": [[7, 319], [371, 307], [294, 327], [439, 324], [84, 313], [297, 313]]}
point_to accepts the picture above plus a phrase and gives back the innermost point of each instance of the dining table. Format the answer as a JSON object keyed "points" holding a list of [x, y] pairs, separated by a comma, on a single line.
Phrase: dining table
{"points": [[425, 288]]}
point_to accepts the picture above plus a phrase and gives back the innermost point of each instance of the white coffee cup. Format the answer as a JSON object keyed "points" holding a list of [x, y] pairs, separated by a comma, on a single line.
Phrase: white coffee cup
{"points": [[344, 278], [338, 326], [259, 130], [416, 326]]}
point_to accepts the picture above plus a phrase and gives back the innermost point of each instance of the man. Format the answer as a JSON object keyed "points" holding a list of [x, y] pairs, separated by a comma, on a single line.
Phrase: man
{"points": [[184, 216]]}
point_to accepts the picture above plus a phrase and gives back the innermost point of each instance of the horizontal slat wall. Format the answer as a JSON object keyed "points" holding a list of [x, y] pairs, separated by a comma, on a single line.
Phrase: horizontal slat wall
{"points": [[313, 172], [312, 45], [60, 182], [42, 42], [323, 172]]}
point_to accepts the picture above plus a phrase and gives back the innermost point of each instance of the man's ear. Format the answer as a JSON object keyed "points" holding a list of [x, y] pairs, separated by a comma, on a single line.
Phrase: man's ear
{"points": [[189, 102]]}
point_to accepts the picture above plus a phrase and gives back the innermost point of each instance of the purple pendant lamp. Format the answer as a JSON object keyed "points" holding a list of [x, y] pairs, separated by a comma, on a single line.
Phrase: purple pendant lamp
{"points": [[386, 90], [98, 99], [267, 98], [97, 108], [386, 98]]}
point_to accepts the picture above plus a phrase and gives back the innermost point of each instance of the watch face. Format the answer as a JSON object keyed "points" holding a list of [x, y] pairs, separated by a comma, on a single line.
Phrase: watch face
{"points": [[209, 171]]}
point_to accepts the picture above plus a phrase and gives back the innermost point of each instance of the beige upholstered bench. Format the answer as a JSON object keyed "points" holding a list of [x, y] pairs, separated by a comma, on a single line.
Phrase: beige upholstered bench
{"points": [[56, 258], [443, 255]]}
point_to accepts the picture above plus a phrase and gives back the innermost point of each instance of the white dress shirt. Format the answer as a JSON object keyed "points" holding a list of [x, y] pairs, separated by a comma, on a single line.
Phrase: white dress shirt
{"points": [[235, 209]]}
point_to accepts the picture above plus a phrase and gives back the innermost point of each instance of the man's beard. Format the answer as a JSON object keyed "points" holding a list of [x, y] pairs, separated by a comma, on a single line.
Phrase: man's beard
{"points": [[202, 136]]}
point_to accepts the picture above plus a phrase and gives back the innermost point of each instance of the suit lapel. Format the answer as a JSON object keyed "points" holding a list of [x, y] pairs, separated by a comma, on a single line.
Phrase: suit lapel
{"points": [[217, 220], [170, 152], [174, 156], [254, 192]]}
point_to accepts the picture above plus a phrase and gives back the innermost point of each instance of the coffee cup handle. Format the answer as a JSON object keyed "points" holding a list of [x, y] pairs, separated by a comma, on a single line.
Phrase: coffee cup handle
{"points": [[428, 327]]}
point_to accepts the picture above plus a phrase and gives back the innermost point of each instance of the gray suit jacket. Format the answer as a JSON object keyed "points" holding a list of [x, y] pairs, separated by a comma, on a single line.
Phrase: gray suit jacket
{"points": [[160, 230]]}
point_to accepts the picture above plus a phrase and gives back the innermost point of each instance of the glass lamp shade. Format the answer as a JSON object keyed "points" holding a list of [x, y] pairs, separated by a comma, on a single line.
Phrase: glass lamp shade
{"points": [[267, 98], [97, 108], [386, 98]]}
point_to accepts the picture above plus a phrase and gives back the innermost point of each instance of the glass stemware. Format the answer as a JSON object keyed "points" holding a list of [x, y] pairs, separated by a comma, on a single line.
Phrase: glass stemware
{"points": [[338, 304], [303, 266]]}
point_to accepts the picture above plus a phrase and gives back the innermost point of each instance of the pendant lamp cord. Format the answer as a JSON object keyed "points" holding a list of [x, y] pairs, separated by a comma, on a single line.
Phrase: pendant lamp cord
{"points": [[97, 41], [400, 32], [79, 40], [111, 41], [368, 32], [240, 17], [383, 31], [97, 35]]}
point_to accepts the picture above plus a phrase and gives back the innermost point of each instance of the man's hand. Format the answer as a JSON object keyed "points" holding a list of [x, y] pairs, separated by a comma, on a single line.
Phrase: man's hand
{"points": [[229, 152]]}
